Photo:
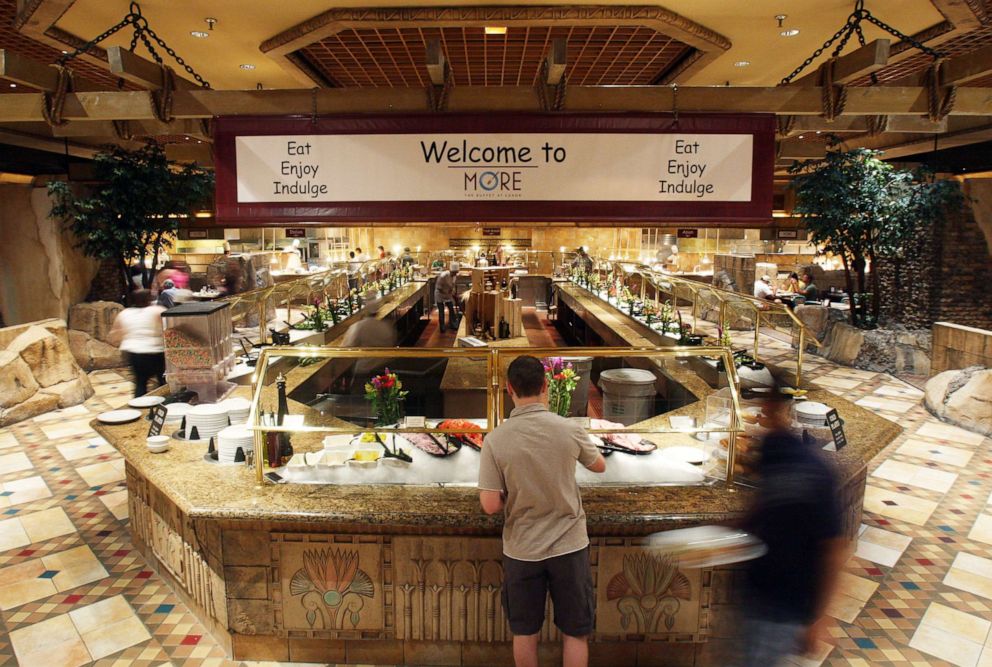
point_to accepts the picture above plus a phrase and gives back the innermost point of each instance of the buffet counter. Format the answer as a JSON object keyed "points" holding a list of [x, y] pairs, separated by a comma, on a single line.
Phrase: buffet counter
{"points": [[389, 573]]}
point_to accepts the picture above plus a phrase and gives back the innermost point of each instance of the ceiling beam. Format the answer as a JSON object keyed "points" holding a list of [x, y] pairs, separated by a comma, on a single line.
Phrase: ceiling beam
{"points": [[798, 149], [202, 154], [859, 125], [145, 128], [556, 59], [137, 70], [61, 146], [967, 67], [202, 103], [435, 62], [869, 58], [30, 72]]}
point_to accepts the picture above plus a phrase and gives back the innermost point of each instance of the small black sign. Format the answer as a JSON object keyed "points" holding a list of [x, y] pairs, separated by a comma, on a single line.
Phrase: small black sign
{"points": [[788, 233], [836, 425], [688, 233], [491, 231], [158, 415], [296, 232], [198, 233]]}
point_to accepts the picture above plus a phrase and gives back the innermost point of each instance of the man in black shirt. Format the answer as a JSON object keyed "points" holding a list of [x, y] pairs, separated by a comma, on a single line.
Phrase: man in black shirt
{"points": [[797, 515]]}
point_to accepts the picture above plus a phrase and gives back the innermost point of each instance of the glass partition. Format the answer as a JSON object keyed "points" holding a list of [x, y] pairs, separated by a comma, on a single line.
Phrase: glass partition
{"points": [[418, 416]]}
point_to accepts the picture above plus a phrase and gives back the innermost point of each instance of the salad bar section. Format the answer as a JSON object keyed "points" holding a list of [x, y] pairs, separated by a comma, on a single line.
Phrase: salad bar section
{"points": [[340, 522]]}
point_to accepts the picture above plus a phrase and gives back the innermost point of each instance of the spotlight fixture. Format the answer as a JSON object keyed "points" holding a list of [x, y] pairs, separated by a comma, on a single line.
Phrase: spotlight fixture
{"points": [[199, 34], [247, 66], [742, 63], [495, 29], [781, 19], [791, 32], [210, 21]]}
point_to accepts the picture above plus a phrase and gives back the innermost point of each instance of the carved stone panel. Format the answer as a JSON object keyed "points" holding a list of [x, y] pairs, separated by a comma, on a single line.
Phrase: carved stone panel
{"points": [[330, 586], [449, 589], [642, 591]]}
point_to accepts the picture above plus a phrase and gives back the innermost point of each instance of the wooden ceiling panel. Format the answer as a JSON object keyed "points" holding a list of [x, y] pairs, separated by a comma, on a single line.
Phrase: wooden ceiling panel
{"points": [[396, 57], [25, 46], [917, 63]]}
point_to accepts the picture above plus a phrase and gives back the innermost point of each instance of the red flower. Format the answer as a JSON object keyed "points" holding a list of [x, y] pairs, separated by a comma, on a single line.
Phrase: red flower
{"points": [[559, 376], [388, 382]]}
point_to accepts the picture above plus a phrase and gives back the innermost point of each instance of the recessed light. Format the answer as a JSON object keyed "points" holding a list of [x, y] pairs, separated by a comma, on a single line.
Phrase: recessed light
{"points": [[199, 34], [65, 53], [791, 32], [247, 66], [13, 85], [802, 136], [495, 29], [742, 63]]}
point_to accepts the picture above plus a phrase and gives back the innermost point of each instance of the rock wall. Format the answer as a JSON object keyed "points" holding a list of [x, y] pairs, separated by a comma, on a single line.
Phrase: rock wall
{"points": [[946, 273], [38, 372], [89, 335], [896, 350], [41, 273]]}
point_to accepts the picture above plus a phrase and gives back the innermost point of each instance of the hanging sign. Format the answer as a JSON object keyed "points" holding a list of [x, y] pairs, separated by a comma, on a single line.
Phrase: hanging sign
{"points": [[494, 168], [688, 233], [491, 231], [295, 232]]}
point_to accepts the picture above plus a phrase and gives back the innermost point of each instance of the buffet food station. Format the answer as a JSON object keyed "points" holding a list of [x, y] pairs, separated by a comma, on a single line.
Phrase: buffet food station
{"points": [[340, 522]]}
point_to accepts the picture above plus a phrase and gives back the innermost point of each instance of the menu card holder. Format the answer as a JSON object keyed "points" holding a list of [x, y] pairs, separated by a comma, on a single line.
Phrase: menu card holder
{"points": [[836, 425], [158, 415]]}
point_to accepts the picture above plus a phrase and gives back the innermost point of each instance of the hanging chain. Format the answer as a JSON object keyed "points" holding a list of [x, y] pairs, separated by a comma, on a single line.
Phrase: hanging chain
{"points": [[143, 32], [851, 27]]}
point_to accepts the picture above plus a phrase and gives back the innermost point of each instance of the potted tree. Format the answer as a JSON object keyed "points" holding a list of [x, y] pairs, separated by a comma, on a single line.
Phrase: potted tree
{"points": [[133, 212], [861, 209]]}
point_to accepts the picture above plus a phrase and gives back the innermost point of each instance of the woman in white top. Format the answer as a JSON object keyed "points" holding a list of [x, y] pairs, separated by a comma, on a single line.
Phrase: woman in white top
{"points": [[138, 332]]}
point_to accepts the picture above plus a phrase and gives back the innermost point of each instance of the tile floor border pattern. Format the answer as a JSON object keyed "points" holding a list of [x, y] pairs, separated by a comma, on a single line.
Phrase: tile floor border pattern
{"points": [[914, 567]]}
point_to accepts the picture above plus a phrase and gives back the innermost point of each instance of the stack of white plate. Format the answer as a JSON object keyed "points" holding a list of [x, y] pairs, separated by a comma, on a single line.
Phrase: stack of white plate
{"points": [[208, 419], [811, 413], [230, 440], [175, 414], [237, 409]]}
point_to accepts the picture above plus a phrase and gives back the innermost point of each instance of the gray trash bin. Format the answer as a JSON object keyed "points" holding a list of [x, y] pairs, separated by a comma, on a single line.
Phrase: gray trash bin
{"points": [[580, 397], [628, 395]]}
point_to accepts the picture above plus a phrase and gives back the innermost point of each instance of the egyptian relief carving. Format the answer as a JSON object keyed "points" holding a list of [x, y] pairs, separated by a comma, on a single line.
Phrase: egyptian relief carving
{"points": [[449, 589], [643, 591], [331, 587]]}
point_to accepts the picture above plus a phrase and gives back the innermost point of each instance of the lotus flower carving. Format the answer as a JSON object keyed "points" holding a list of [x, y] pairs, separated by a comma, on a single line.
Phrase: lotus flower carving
{"points": [[332, 588], [648, 590]]}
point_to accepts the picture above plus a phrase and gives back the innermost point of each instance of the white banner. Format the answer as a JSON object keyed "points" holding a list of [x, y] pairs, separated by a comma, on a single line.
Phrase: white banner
{"points": [[500, 167]]}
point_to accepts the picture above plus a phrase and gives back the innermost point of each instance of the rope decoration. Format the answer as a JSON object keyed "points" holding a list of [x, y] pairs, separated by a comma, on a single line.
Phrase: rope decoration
{"points": [[560, 91], [122, 128], [541, 87], [877, 124], [437, 96], [54, 102], [786, 124], [834, 97], [162, 98], [939, 103]]}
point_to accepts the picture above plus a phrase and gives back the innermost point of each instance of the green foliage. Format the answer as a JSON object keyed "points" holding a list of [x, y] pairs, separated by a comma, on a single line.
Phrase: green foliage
{"points": [[861, 209], [136, 206]]}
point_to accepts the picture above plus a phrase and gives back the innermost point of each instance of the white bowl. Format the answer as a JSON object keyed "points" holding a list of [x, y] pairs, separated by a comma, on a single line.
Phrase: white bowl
{"points": [[158, 443], [352, 463]]}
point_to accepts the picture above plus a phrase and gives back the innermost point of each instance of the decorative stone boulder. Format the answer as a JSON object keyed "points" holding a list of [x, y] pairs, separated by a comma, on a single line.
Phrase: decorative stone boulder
{"points": [[94, 318], [92, 354], [38, 373], [844, 344], [48, 356], [814, 318], [17, 384], [963, 398]]}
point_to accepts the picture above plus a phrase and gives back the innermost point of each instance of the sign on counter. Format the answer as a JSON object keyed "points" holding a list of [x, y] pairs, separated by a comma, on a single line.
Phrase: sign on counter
{"points": [[508, 168], [158, 415], [836, 425]]}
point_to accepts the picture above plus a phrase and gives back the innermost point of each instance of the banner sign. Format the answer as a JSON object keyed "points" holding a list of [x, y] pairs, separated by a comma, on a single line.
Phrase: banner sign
{"points": [[494, 168]]}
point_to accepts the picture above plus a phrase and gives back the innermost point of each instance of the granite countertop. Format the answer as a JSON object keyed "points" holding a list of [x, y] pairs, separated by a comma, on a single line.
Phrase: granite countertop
{"points": [[463, 373], [207, 490]]}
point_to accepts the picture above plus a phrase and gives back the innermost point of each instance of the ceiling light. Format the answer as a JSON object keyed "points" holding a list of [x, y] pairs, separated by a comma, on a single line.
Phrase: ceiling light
{"points": [[791, 32], [13, 85], [742, 63], [199, 34], [247, 66], [495, 29]]}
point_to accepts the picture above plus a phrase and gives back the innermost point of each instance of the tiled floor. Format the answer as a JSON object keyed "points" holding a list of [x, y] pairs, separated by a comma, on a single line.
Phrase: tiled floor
{"points": [[918, 590]]}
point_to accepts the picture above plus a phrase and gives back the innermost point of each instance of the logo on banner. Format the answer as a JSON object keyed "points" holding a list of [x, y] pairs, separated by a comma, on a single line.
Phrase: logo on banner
{"points": [[492, 183]]}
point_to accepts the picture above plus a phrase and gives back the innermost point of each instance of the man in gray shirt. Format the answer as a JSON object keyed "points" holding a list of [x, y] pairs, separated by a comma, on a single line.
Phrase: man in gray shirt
{"points": [[527, 470]]}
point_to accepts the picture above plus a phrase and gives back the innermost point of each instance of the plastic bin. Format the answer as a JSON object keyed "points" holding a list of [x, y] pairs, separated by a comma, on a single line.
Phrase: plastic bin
{"points": [[628, 395]]}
